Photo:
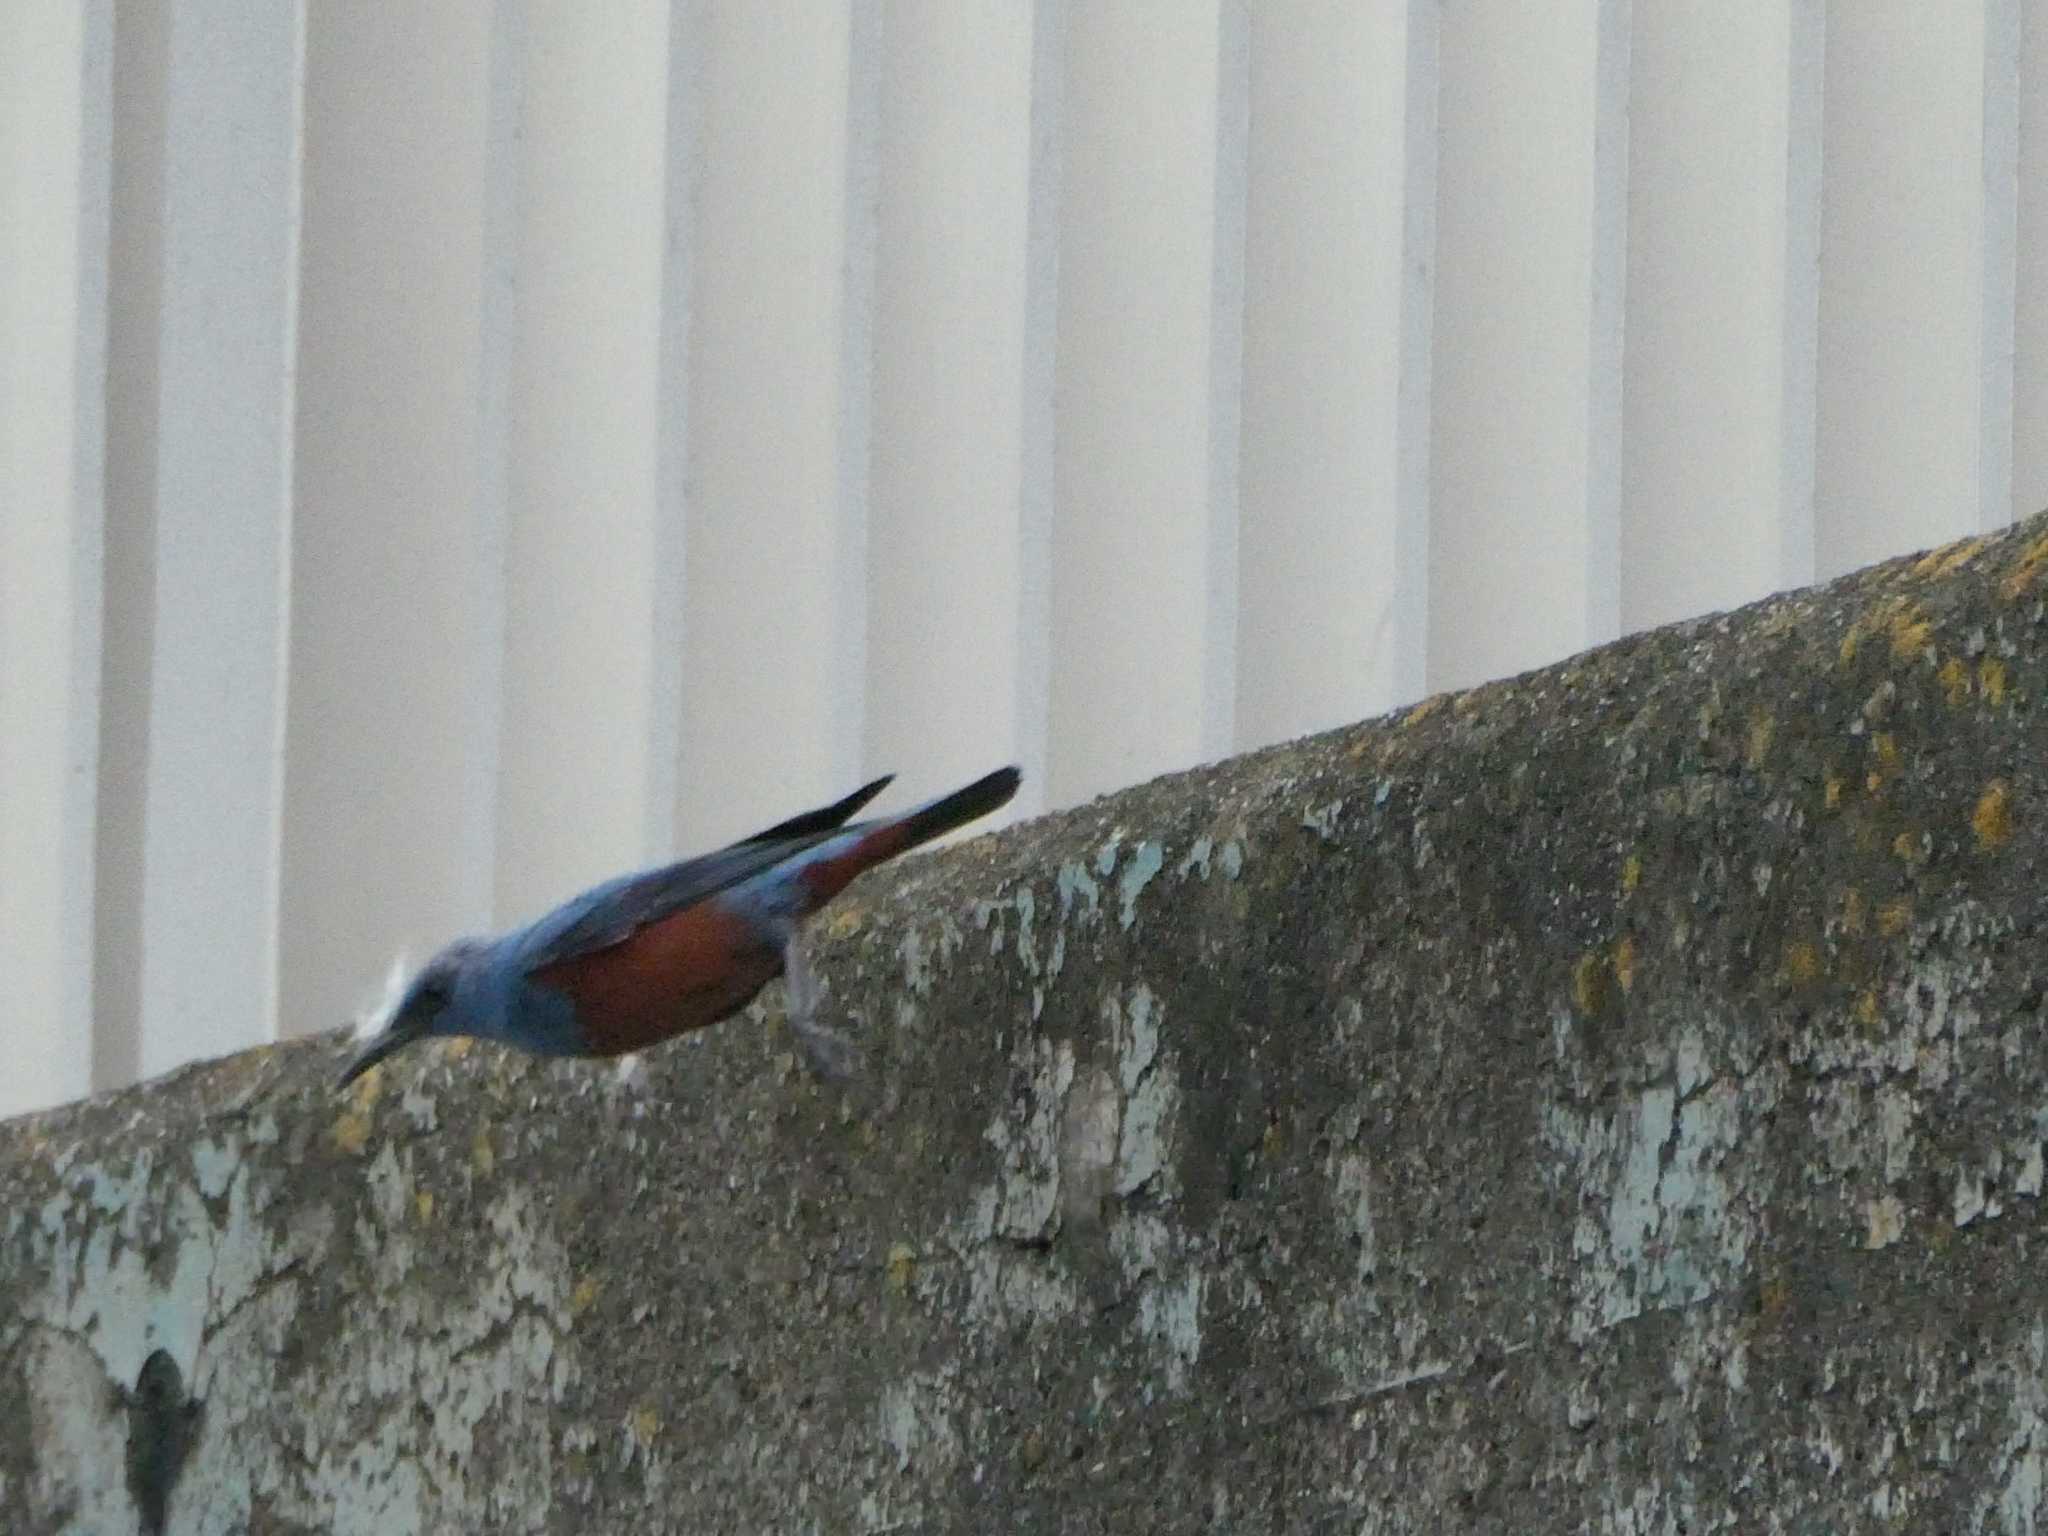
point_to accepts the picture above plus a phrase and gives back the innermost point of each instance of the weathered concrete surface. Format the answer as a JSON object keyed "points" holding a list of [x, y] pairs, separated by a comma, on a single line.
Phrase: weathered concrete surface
{"points": [[1610, 1100]]}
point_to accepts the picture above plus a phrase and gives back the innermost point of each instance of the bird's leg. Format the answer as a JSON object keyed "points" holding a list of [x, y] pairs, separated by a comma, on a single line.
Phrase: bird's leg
{"points": [[829, 1054]]}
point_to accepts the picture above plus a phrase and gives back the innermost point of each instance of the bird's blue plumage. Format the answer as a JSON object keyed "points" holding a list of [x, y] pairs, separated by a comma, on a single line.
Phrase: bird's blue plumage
{"points": [[648, 955], [606, 914]]}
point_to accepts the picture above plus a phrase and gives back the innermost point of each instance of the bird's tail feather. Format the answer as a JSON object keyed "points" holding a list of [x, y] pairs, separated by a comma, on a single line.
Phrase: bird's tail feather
{"points": [[988, 793], [868, 843], [825, 819]]}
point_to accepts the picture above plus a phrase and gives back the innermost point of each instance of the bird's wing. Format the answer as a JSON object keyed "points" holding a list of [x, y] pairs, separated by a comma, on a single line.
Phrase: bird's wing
{"points": [[610, 913]]}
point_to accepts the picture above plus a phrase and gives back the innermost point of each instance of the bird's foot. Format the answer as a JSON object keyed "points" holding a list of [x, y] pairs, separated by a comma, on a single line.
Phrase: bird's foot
{"points": [[825, 1051]]}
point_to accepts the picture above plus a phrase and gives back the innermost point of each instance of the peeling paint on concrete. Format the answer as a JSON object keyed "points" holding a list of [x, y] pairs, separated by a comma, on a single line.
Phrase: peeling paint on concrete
{"points": [[1078, 889], [1479, 1138], [221, 1292], [1146, 861], [1661, 1228], [1027, 1189], [1151, 1095]]}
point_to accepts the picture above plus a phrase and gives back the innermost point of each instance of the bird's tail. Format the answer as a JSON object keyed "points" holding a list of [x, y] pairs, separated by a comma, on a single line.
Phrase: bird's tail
{"points": [[825, 819], [991, 792], [863, 846]]}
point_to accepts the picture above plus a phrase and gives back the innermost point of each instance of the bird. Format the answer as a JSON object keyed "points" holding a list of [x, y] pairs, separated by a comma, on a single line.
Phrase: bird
{"points": [[645, 957]]}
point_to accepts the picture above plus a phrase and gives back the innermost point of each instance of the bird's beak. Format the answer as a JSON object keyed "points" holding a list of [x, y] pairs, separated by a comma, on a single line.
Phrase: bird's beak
{"points": [[395, 1036]]}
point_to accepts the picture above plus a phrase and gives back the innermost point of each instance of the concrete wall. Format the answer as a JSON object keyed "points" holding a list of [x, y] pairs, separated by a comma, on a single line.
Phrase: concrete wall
{"points": [[1607, 1100], [452, 450]]}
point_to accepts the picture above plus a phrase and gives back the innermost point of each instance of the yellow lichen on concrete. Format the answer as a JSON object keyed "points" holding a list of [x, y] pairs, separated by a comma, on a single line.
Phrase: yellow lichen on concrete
{"points": [[1955, 681], [1991, 679], [1590, 988], [352, 1131], [1866, 1007], [365, 1091], [481, 1157], [423, 1204], [1884, 753], [1761, 729], [1831, 790], [1631, 874], [1423, 711], [644, 1425], [1949, 558], [1910, 629], [901, 1267], [1852, 910], [352, 1127], [1893, 917], [1801, 964], [1773, 1298], [1908, 848], [583, 1295], [1992, 819], [2021, 574], [1624, 962], [1903, 622]]}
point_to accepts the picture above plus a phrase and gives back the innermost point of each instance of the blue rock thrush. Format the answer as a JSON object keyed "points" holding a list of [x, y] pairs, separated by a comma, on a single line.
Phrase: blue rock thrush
{"points": [[645, 957]]}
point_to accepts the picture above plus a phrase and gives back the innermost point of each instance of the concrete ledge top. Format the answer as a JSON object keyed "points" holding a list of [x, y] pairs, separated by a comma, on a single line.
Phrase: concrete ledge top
{"points": [[1609, 1099]]}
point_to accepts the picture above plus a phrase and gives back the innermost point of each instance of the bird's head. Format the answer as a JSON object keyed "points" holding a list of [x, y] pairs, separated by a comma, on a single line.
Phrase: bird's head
{"points": [[437, 1000]]}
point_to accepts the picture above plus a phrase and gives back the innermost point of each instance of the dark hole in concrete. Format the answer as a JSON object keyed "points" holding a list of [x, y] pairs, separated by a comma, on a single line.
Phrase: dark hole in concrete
{"points": [[162, 1424]]}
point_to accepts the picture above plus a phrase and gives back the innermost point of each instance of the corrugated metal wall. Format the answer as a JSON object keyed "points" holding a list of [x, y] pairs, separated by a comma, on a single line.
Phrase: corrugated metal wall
{"points": [[450, 451]]}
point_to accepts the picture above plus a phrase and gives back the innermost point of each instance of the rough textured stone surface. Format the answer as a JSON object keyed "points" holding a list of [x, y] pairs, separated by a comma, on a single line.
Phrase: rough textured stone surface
{"points": [[1608, 1100]]}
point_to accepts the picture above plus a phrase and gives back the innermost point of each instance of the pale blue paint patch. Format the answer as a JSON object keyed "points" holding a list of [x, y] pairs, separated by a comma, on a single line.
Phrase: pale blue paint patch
{"points": [[1322, 819], [1145, 863], [212, 1166], [1027, 912], [988, 917], [1197, 861], [1141, 1041], [1077, 886], [1232, 859]]}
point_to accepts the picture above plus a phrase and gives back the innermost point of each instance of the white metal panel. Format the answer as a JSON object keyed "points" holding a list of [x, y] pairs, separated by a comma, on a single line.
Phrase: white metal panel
{"points": [[1722, 307], [1531, 236], [56, 62], [1150, 166], [1916, 261], [404, 344], [773, 587], [583, 752], [2030, 252], [214, 778], [953, 316], [1333, 568], [1038, 432]]}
